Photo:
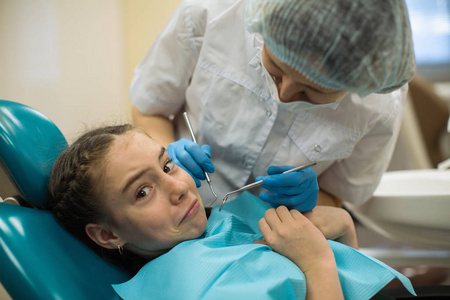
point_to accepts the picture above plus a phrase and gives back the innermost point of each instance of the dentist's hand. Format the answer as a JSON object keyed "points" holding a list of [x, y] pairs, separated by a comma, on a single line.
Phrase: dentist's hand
{"points": [[192, 157], [296, 190]]}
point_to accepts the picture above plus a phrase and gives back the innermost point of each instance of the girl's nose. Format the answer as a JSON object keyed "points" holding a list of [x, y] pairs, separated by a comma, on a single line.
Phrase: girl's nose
{"points": [[178, 189]]}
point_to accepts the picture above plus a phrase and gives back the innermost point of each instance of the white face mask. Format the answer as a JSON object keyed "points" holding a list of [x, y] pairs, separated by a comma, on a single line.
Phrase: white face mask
{"points": [[296, 105]]}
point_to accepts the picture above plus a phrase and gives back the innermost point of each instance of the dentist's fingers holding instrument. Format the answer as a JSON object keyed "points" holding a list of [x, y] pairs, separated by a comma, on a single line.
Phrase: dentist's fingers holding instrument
{"points": [[192, 157], [207, 162], [296, 190], [260, 182]]}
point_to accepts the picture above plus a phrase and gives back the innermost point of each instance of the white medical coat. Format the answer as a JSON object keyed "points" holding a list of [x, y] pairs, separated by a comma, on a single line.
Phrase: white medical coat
{"points": [[206, 63]]}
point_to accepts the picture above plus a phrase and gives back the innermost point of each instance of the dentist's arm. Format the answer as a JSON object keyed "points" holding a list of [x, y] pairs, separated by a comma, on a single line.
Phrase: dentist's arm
{"points": [[327, 199], [335, 224], [158, 127]]}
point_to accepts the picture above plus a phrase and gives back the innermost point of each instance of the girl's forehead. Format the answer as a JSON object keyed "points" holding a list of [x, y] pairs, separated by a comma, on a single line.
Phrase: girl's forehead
{"points": [[130, 154], [133, 138], [131, 146]]}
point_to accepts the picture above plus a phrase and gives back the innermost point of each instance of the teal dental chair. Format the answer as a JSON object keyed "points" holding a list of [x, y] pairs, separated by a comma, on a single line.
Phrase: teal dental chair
{"points": [[38, 258]]}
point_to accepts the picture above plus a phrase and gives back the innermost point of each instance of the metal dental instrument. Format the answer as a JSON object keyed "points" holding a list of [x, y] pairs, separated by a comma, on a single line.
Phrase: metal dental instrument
{"points": [[191, 131], [258, 183]]}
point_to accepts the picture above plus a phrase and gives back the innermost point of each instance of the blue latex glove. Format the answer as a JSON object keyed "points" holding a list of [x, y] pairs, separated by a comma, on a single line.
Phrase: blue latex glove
{"points": [[192, 157], [296, 190]]}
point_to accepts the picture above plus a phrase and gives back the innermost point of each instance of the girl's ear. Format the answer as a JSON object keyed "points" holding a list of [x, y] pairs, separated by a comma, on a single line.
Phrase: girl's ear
{"points": [[102, 236]]}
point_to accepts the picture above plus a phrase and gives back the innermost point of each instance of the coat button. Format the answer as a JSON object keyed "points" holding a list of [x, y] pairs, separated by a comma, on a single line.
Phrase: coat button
{"points": [[268, 113], [317, 148]]}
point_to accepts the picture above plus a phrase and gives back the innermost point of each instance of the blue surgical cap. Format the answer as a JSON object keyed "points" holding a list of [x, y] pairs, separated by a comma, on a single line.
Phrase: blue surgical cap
{"points": [[362, 46]]}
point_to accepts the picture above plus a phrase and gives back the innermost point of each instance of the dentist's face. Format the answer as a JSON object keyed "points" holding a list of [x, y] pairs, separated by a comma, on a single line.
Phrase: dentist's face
{"points": [[153, 204], [294, 86]]}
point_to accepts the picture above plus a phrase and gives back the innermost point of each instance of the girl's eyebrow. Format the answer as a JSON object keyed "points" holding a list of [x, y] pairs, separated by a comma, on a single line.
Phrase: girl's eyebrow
{"points": [[133, 179], [161, 153], [140, 173]]}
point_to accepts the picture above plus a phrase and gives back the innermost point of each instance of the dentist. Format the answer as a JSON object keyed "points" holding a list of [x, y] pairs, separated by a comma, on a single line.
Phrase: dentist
{"points": [[270, 84]]}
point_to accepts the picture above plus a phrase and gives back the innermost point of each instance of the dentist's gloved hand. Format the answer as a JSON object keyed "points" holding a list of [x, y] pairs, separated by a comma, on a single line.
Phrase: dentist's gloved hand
{"points": [[296, 190], [192, 157]]}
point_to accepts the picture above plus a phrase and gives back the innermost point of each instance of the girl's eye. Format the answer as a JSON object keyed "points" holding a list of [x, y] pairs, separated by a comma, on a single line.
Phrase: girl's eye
{"points": [[143, 192], [168, 166]]}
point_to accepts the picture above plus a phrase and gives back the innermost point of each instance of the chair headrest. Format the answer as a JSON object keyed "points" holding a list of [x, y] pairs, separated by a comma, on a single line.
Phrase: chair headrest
{"points": [[29, 145], [40, 260]]}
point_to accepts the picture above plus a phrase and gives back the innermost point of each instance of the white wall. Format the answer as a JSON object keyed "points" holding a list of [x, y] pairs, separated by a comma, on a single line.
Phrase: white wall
{"points": [[66, 59]]}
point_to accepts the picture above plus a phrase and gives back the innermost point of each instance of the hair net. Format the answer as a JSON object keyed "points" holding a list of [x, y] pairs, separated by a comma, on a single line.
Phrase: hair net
{"points": [[362, 46]]}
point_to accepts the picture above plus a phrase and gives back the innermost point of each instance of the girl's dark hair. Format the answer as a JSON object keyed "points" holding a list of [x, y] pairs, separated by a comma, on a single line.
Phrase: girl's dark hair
{"points": [[75, 190]]}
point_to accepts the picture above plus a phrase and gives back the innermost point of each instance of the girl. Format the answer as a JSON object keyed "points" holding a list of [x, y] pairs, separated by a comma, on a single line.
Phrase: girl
{"points": [[117, 190]]}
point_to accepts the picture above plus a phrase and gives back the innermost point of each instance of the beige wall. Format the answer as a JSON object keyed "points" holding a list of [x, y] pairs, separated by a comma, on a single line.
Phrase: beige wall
{"points": [[64, 58], [73, 60], [143, 21]]}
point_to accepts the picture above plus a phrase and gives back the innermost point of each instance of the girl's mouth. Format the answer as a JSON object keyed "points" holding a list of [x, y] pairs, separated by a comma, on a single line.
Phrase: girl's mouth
{"points": [[193, 208]]}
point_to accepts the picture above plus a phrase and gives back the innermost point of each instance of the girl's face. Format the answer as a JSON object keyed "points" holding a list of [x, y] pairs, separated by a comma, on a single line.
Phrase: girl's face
{"points": [[152, 203], [294, 86]]}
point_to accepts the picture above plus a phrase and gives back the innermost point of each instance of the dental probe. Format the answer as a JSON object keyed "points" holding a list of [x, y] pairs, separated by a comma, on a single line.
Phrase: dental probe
{"points": [[258, 183], [191, 131]]}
